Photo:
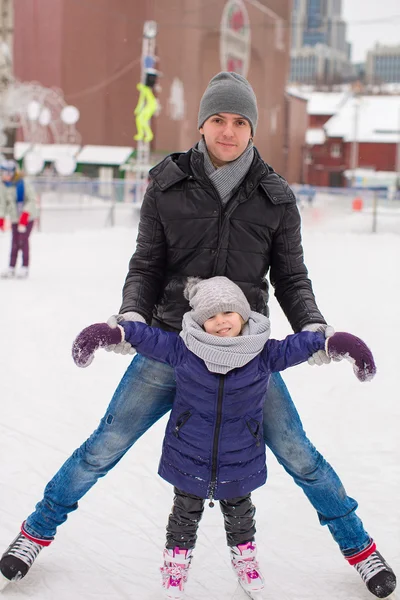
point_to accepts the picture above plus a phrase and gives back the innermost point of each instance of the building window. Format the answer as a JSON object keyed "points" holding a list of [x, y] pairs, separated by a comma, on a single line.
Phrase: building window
{"points": [[308, 159], [336, 151]]}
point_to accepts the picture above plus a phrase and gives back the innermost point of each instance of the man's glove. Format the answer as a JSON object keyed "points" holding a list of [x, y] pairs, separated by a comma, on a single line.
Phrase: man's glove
{"points": [[1, 224], [344, 345], [123, 347], [320, 357], [91, 339]]}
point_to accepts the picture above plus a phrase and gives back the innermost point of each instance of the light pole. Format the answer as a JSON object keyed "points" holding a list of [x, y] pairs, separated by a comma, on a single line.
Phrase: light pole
{"points": [[354, 143], [398, 153]]}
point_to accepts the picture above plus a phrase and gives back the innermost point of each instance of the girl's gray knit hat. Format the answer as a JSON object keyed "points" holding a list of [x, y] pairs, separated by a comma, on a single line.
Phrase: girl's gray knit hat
{"points": [[229, 93], [207, 297]]}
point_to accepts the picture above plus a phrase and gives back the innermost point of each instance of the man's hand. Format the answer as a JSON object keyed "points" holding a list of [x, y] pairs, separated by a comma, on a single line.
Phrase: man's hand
{"points": [[91, 339], [320, 358], [123, 347], [345, 345]]}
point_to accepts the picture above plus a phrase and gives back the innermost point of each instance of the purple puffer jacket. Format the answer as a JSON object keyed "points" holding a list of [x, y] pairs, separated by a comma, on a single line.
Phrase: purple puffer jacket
{"points": [[213, 445]]}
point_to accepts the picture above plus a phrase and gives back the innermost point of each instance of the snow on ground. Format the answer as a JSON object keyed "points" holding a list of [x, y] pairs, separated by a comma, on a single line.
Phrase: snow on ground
{"points": [[111, 547]]}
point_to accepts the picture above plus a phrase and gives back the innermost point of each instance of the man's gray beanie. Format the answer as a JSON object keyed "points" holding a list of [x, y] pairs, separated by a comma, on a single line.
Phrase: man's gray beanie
{"points": [[207, 297], [229, 93]]}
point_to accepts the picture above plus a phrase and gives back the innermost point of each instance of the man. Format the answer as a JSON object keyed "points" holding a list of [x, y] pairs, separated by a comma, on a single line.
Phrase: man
{"points": [[217, 209]]}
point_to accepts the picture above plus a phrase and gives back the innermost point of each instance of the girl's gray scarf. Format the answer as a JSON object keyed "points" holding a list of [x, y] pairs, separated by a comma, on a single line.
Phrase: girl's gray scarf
{"points": [[225, 179], [221, 354]]}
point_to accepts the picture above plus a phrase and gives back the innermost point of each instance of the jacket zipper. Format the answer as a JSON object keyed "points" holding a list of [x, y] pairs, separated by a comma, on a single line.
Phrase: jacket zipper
{"points": [[222, 216], [214, 458]]}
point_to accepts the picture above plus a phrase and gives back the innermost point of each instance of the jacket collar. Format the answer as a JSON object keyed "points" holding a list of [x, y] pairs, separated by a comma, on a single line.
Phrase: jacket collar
{"points": [[186, 165]]}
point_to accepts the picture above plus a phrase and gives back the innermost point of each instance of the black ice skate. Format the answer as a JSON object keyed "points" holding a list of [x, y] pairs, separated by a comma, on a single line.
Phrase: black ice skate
{"points": [[375, 572], [19, 557]]}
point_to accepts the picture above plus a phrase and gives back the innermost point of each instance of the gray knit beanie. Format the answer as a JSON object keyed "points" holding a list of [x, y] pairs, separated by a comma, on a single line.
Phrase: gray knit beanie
{"points": [[229, 93], [207, 297]]}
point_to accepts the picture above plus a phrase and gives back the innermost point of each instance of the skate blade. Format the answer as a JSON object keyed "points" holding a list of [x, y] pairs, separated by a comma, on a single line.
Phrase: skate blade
{"points": [[253, 595], [3, 582]]}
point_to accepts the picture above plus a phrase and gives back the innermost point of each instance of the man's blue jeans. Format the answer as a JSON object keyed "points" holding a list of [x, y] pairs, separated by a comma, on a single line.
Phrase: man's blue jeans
{"points": [[145, 394]]}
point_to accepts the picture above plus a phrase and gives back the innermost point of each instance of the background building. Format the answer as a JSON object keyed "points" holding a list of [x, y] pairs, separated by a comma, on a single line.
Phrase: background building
{"points": [[383, 65], [347, 133], [6, 51], [319, 50], [92, 51]]}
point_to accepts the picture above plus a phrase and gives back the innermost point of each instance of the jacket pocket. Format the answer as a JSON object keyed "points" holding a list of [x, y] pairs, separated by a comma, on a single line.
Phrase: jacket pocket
{"points": [[181, 421], [255, 429]]}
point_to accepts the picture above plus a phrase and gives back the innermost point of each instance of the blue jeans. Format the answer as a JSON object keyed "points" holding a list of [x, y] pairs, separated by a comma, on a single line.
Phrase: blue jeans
{"points": [[145, 394]]}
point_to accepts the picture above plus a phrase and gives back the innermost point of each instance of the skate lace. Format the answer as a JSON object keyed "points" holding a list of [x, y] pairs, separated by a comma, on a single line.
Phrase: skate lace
{"points": [[246, 567], [175, 572], [25, 549], [370, 566]]}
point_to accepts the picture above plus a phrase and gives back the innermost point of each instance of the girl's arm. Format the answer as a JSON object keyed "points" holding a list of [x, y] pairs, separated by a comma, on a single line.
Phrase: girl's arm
{"points": [[295, 349], [154, 343], [164, 346]]}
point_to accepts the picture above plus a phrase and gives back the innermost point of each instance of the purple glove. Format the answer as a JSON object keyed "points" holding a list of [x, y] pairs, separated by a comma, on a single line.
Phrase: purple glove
{"points": [[93, 337], [344, 345]]}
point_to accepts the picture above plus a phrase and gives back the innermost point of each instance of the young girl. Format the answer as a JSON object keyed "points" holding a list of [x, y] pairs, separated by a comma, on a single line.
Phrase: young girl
{"points": [[213, 447], [17, 200]]}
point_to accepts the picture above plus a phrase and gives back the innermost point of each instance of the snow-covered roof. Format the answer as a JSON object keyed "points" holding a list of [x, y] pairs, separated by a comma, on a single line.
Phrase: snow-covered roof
{"points": [[378, 120], [48, 152], [292, 91], [315, 136], [325, 103], [104, 155]]}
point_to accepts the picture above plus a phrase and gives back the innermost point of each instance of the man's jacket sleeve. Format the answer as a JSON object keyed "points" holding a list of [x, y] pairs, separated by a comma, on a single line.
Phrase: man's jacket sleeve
{"points": [[146, 273], [289, 275], [165, 346], [295, 349]]}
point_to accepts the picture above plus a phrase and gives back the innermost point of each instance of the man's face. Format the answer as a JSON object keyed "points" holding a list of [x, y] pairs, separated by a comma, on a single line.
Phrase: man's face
{"points": [[227, 137]]}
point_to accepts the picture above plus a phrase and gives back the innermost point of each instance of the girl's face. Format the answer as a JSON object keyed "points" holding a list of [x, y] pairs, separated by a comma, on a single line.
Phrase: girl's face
{"points": [[225, 324]]}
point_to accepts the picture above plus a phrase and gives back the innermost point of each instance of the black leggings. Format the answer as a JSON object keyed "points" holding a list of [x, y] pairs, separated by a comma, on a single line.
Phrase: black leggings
{"points": [[187, 510]]}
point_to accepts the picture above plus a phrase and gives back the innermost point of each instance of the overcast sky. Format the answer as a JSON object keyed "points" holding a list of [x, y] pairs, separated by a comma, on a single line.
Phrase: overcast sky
{"points": [[363, 36]]}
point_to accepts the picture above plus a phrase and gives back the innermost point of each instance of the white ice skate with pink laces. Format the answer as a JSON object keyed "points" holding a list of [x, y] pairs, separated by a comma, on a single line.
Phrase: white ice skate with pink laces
{"points": [[174, 572], [245, 565]]}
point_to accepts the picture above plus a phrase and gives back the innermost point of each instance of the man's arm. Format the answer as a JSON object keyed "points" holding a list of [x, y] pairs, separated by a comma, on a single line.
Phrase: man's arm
{"points": [[289, 275], [146, 273]]}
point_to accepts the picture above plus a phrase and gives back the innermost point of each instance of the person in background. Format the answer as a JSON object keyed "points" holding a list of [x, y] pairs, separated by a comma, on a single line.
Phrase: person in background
{"points": [[212, 450], [18, 202]]}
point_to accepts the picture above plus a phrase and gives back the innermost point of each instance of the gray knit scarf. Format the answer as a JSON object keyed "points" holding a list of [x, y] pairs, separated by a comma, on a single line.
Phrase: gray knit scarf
{"points": [[221, 354], [225, 179]]}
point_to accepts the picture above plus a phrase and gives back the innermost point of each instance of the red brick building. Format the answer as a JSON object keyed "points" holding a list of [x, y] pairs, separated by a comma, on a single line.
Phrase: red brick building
{"points": [[350, 133], [91, 50], [296, 134]]}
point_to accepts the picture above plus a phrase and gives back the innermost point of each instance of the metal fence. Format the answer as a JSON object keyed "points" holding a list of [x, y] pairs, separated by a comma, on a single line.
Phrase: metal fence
{"points": [[82, 204]]}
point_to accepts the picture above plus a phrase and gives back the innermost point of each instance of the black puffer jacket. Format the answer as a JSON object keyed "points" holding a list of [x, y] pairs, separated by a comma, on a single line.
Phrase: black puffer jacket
{"points": [[184, 231]]}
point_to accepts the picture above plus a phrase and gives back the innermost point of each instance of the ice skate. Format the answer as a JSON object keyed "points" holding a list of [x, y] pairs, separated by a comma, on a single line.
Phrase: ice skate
{"points": [[375, 573], [19, 557], [8, 273], [174, 572], [22, 273], [245, 565]]}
